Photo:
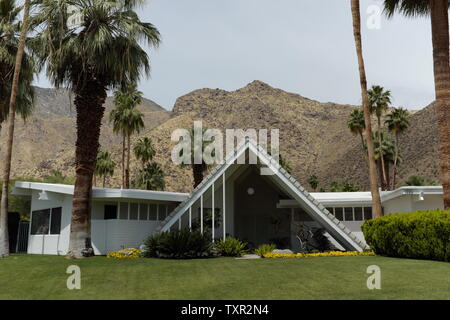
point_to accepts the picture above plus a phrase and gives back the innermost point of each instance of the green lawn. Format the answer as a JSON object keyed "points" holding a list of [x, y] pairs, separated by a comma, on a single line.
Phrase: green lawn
{"points": [[44, 277]]}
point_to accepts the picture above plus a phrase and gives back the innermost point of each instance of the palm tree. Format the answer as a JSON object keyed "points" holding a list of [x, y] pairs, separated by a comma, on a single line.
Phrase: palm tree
{"points": [[4, 237], [103, 52], [313, 182], [104, 166], [397, 123], [438, 10], [144, 151], [379, 100], [376, 201], [198, 169], [357, 125], [387, 151], [151, 178], [9, 29], [127, 120]]}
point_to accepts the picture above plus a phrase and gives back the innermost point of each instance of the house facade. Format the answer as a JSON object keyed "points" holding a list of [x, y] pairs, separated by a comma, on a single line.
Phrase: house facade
{"points": [[256, 202]]}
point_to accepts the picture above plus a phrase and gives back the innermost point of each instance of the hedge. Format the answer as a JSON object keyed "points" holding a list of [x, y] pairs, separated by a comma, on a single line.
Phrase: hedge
{"points": [[416, 235]]}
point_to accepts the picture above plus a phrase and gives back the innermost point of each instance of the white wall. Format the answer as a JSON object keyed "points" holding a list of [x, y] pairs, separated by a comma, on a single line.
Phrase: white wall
{"points": [[410, 203], [114, 235], [51, 244], [107, 235]]}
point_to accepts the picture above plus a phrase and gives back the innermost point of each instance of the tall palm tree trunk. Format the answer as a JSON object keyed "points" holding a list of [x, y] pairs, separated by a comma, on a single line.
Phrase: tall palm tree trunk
{"points": [[394, 179], [104, 181], [384, 181], [123, 159], [441, 56], [376, 201], [127, 170], [89, 100], [4, 237]]}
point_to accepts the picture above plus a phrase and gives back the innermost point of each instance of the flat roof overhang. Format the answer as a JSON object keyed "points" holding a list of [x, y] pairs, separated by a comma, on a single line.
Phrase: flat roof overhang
{"points": [[25, 188]]}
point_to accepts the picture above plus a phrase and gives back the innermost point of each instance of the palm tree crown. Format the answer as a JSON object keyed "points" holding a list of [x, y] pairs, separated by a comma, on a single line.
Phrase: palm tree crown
{"points": [[9, 40], [398, 120], [105, 45], [144, 151], [379, 100]]}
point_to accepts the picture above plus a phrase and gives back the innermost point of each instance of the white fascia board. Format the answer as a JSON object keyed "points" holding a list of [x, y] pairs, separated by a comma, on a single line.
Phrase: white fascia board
{"points": [[56, 188], [426, 190], [99, 193]]}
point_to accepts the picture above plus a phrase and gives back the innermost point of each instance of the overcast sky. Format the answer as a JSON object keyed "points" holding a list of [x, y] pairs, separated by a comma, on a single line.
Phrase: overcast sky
{"points": [[301, 46]]}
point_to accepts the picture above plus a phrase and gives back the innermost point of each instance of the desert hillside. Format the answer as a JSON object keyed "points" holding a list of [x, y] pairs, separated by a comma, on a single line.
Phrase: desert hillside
{"points": [[314, 136]]}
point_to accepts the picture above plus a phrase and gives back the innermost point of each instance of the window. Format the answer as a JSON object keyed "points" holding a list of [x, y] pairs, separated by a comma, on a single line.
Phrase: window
{"points": [[162, 212], [46, 221], [143, 210], [40, 222], [134, 211], [338, 212], [367, 213], [55, 224], [358, 214], [153, 215], [123, 211], [110, 212], [331, 210], [348, 214]]}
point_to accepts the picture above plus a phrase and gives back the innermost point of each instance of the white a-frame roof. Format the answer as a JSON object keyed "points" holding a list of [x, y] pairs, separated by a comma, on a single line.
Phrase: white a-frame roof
{"points": [[285, 181]]}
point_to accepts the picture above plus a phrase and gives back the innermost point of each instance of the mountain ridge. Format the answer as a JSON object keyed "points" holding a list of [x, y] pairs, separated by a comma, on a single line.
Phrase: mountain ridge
{"points": [[314, 136]]}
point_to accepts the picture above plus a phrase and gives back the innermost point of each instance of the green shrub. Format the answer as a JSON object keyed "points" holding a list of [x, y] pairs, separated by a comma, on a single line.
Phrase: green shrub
{"points": [[417, 235], [231, 247], [264, 249], [180, 244]]}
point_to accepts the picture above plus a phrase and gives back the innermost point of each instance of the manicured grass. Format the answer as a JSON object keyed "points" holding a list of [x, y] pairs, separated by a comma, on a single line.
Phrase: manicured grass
{"points": [[44, 277]]}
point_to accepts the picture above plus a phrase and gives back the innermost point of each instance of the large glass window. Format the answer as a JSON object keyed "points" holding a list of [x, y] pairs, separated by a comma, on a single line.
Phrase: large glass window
{"points": [[162, 212], [123, 214], [153, 215], [110, 212], [143, 210], [348, 214], [358, 214], [367, 213], [47, 221], [40, 222], [338, 212], [55, 224], [134, 211]]}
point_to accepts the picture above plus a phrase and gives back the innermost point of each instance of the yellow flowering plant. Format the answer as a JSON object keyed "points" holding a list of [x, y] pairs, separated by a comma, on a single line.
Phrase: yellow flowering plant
{"points": [[319, 254], [129, 253]]}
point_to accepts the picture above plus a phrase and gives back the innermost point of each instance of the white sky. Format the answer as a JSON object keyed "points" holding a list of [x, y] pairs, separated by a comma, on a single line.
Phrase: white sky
{"points": [[301, 46]]}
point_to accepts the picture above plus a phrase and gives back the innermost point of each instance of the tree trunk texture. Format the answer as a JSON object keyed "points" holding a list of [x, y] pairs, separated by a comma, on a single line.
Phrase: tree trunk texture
{"points": [[441, 57], [4, 237], [123, 159], [394, 179], [383, 166], [89, 100], [376, 201], [127, 170]]}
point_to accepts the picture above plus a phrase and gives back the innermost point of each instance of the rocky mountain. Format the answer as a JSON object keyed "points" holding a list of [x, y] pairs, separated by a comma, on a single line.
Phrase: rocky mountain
{"points": [[314, 136], [46, 140]]}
